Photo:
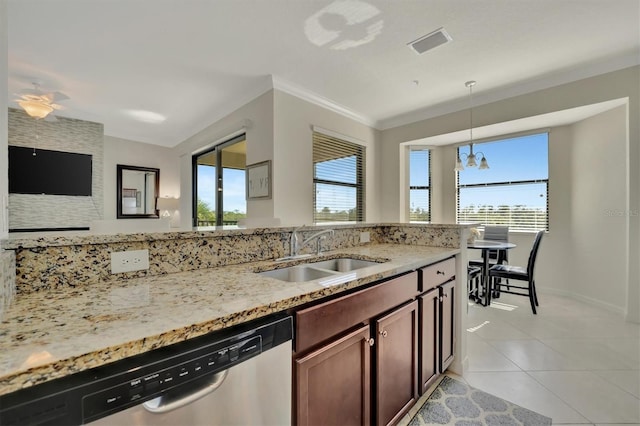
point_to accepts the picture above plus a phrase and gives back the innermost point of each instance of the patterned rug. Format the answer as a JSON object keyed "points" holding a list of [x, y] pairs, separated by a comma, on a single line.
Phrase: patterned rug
{"points": [[456, 403]]}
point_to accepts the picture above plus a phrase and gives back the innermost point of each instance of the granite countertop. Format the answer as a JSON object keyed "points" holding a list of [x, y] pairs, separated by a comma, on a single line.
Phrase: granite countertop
{"points": [[47, 335]]}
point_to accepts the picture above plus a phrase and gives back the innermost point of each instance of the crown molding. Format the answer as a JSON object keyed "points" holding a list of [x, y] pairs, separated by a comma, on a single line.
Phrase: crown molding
{"points": [[285, 86]]}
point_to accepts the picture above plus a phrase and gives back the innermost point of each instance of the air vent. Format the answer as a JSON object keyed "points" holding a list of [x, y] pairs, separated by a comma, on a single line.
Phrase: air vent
{"points": [[430, 41]]}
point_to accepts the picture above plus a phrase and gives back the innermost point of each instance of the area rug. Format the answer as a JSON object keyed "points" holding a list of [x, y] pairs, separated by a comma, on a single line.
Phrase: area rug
{"points": [[455, 403]]}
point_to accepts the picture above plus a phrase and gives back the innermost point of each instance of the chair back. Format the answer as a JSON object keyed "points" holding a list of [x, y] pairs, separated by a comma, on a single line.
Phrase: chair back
{"points": [[496, 233], [534, 253]]}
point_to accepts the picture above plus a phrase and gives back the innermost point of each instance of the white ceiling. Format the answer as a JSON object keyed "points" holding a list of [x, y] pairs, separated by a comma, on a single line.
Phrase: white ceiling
{"points": [[158, 71]]}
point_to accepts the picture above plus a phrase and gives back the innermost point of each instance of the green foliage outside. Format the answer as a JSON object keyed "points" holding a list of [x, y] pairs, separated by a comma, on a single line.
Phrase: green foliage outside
{"points": [[207, 216], [326, 215], [419, 214]]}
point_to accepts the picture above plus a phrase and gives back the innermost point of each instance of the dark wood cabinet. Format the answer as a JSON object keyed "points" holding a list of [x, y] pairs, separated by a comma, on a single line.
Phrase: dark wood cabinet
{"points": [[437, 321], [447, 321], [429, 338], [396, 363], [333, 382]]}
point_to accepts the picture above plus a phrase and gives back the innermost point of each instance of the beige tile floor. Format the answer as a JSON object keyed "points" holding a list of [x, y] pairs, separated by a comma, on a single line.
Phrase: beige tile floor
{"points": [[573, 362]]}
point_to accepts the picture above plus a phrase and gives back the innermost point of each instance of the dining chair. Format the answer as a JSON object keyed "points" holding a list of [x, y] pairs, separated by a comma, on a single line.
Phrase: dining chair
{"points": [[518, 273], [494, 233], [473, 282]]}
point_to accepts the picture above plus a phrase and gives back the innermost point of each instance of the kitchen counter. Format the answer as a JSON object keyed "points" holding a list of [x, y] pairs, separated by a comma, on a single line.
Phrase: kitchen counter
{"points": [[49, 334]]}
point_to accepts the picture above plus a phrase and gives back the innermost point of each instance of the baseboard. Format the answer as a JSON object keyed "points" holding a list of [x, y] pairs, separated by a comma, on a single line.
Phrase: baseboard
{"points": [[588, 300]]}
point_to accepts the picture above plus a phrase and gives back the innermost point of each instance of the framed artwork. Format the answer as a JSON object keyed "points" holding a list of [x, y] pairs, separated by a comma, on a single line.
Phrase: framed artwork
{"points": [[259, 180]]}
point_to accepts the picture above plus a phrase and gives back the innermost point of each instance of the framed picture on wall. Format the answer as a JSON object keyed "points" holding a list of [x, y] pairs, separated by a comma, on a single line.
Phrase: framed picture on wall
{"points": [[258, 180]]}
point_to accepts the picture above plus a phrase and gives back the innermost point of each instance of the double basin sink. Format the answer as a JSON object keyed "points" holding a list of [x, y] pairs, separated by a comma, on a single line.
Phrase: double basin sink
{"points": [[314, 270]]}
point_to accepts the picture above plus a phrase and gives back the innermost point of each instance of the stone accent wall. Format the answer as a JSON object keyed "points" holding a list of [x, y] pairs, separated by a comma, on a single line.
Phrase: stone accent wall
{"points": [[50, 263], [7, 279], [28, 211]]}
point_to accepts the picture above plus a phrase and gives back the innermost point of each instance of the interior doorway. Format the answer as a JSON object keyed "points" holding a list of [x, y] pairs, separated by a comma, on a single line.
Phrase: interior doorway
{"points": [[219, 184]]}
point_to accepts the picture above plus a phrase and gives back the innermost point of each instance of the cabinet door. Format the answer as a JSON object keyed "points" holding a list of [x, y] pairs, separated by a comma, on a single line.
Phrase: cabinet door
{"points": [[333, 382], [396, 363], [447, 317], [429, 338]]}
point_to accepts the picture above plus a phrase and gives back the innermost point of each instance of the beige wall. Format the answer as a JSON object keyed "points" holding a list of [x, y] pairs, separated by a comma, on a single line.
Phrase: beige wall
{"points": [[131, 153], [626, 179], [292, 159], [4, 105], [256, 117]]}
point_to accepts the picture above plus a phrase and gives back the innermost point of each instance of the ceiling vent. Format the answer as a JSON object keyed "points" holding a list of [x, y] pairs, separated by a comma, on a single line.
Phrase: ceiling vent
{"points": [[430, 41]]}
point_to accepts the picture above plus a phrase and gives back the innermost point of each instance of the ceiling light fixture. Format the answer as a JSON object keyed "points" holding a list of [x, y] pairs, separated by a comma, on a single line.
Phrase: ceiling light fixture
{"points": [[38, 104], [471, 157]]}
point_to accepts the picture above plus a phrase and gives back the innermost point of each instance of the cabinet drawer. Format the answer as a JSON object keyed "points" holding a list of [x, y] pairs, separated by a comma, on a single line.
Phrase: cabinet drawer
{"points": [[320, 322], [436, 274]]}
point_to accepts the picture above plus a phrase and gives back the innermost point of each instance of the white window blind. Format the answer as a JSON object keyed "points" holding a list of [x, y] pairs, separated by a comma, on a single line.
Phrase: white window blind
{"points": [[338, 179], [514, 191]]}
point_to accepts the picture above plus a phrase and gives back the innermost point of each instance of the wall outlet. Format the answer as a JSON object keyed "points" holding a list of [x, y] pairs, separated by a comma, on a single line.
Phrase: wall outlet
{"points": [[127, 261], [364, 237]]}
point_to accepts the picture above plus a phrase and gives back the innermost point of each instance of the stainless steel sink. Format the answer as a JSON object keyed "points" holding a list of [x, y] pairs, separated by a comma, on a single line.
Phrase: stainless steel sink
{"points": [[316, 270], [343, 264], [296, 273]]}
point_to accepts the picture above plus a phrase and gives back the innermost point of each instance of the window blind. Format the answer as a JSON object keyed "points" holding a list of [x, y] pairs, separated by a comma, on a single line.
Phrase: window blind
{"points": [[338, 179]]}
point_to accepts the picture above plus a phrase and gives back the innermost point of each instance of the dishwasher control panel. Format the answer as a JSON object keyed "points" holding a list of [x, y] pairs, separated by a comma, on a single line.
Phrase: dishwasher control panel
{"points": [[153, 383]]}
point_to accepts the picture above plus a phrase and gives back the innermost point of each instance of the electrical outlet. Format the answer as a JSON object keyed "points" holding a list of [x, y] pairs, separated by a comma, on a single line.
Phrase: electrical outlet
{"points": [[127, 261], [365, 237]]}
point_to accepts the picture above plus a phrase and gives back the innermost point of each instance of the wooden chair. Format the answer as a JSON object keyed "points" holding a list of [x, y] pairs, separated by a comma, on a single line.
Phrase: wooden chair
{"points": [[509, 272]]}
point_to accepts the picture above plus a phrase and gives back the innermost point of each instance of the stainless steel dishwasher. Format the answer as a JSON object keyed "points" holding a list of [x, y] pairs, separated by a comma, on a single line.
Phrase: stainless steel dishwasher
{"points": [[237, 376]]}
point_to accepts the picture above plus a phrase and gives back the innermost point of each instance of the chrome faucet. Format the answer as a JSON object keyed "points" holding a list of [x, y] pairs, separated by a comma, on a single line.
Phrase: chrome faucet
{"points": [[320, 235], [295, 245]]}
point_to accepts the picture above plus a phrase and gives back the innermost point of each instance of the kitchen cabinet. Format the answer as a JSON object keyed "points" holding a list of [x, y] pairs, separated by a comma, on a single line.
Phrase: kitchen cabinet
{"points": [[333, 382], [437, 320], [353, 345], [396, 363]]}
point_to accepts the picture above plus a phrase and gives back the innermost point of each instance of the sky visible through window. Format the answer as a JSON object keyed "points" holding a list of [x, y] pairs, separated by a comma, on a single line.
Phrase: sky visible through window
{"points": [[234, 188], [515, 159]]}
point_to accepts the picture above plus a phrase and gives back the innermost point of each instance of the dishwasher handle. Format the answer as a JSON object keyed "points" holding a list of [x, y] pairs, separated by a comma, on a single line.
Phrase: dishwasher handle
{"points": [[185, 394]]}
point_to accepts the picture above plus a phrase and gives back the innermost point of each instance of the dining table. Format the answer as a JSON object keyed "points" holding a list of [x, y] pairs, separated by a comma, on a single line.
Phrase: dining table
{"points": [[486, 246]]}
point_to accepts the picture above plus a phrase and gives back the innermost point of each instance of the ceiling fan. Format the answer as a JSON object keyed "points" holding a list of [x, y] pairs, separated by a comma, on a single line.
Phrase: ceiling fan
{"points": [[39, 104]]}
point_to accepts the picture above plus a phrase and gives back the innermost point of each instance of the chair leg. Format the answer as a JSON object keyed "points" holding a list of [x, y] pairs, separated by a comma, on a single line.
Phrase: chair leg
{"points": [[532, 296], [535, 293]]}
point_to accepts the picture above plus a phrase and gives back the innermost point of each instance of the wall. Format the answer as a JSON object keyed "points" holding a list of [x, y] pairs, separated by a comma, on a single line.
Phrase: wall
{"points": [[57, 211], [4, 96], [256, 118], [294, 119], [598, 208], [615, 85], [130, 153]]}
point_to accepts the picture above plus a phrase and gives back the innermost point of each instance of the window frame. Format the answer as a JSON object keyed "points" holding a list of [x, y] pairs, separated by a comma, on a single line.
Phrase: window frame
{"points": [[318, 137], [420, 187], [505, 183]]}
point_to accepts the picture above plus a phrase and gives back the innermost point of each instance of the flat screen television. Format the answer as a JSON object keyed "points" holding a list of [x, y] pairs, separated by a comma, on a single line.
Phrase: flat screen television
{"points": [[48, 172]]}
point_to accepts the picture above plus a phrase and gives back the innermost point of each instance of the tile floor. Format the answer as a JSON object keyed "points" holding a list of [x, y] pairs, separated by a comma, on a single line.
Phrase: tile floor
{"points": [[573, 362]]}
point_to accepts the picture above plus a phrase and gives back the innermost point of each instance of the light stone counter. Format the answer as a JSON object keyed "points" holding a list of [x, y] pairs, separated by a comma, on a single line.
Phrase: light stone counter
{"points": [[47, 335]]}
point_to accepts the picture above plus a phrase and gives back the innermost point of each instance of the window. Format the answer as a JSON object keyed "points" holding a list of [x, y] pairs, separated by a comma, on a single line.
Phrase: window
{"points": [[419, 185], [338, 180], [219, 184], [514, 191]]}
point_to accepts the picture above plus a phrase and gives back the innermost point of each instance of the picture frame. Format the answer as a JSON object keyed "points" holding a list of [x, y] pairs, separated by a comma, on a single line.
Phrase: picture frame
{"points": [[258, 181]]}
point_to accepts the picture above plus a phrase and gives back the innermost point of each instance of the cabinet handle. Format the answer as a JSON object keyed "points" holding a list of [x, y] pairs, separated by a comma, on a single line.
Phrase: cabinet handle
{"points": [[439, 272], [440, 299], [370, 341], [384, 333], [446, 295]]}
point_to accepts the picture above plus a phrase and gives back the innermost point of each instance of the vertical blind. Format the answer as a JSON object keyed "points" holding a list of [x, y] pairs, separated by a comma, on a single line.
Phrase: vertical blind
{"points": [[338, 179]]}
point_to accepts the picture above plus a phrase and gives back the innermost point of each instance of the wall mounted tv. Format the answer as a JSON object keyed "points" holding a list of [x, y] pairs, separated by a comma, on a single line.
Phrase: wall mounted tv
{"points": [[48, 172]]}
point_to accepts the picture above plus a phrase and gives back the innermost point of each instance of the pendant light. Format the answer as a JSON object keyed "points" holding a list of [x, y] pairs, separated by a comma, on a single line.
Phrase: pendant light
{"points": [[471, 157]]}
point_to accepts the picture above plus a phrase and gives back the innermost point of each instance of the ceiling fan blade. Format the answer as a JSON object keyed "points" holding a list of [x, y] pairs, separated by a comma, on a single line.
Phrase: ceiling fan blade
{"points": [[58, 96], [56, 106]]}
